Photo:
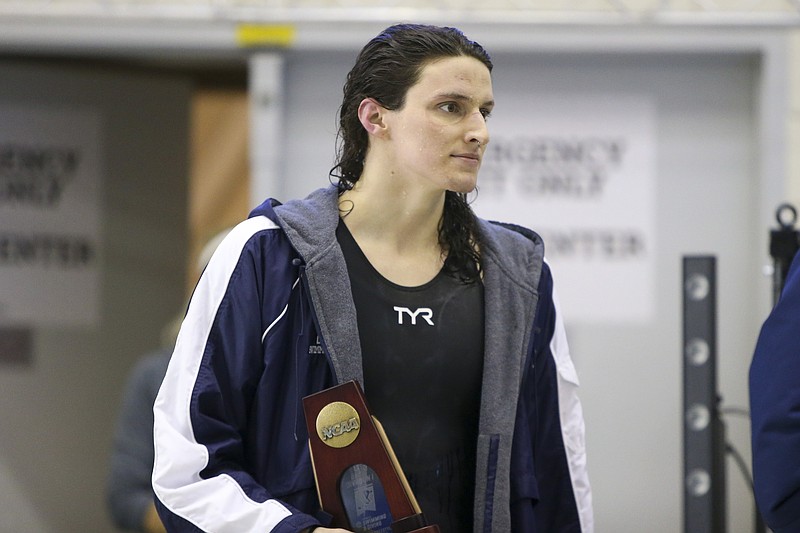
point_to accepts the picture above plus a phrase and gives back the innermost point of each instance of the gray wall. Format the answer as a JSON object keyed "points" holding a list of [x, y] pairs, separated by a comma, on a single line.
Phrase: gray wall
{"points": [[631, 374], [58, 413]]}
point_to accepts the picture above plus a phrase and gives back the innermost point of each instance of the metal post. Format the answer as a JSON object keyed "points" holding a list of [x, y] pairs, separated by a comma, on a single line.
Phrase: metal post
{"points": [[266, 125], [703, 432]]}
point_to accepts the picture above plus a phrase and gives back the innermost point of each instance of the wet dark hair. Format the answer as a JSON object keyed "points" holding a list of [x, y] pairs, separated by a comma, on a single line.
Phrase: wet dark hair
{"points": [[385, 69]]}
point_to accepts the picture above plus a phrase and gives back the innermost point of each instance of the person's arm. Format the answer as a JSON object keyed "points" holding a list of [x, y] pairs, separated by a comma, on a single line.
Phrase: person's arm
{"points": [[152, 523], [562, 480], [572, 424], [128, 490], [201, 478], [775, 410]]}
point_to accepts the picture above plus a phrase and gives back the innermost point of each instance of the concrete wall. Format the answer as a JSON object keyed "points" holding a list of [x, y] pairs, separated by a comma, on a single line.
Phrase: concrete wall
{"points": [[58, 411]]}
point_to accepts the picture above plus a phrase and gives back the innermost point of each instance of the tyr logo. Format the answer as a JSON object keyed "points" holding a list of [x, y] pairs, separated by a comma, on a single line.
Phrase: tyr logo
{"points": [[423, 312]]}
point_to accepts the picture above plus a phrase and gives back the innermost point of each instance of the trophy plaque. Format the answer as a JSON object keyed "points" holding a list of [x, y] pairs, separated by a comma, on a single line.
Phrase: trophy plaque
{"points": [[359, 481]]}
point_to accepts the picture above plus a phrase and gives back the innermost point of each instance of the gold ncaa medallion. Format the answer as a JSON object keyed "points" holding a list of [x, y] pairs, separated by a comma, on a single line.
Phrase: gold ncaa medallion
{"points": [[338, 424]]}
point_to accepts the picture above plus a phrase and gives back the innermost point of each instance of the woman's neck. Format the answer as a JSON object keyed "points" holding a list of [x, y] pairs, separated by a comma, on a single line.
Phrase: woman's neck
{"points": [[396, 226]]}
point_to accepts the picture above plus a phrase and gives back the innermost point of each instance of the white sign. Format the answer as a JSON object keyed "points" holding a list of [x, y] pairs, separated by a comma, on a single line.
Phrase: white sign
{"points": [[580, 171], [49, 216]]}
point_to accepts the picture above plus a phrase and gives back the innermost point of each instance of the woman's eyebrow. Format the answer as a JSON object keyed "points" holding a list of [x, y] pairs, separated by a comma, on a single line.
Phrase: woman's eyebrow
{"points": [[462, 97]]}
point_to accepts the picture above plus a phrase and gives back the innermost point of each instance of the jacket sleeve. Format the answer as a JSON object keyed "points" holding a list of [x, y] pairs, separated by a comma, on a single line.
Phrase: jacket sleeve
{"points": [[200, 476], [775, 410], [562, 481]]}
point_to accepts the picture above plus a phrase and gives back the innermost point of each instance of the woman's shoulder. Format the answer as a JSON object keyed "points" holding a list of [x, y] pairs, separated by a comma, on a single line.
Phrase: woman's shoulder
{"points": [[506, 237], [516, 250]]}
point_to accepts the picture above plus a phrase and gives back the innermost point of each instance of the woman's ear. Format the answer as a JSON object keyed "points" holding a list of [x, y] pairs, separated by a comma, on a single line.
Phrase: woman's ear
{"points": [[371, 115]]}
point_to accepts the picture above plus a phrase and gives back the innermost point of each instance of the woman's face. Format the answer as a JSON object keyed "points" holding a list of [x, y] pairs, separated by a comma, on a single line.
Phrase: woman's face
{"points": [[439, 135]]}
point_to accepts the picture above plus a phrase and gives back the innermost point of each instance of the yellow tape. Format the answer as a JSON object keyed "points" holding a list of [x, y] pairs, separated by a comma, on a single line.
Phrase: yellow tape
{"points": [[264, 35]]}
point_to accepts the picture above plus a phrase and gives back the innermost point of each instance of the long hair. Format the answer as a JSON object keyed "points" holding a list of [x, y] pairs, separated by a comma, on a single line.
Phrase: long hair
{"points": [[385, 69]]}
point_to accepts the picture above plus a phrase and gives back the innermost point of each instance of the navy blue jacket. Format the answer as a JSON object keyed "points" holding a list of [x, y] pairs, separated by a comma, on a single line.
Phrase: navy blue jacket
{"points": [[775, 410], [272, 320]]}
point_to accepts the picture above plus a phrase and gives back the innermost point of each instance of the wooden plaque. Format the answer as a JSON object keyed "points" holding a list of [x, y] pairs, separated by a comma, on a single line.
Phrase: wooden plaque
{"points": [[359, 481]]}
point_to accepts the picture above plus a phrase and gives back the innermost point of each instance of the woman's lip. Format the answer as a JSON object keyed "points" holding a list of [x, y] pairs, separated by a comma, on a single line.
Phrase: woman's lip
{"points": [[471, 161]]}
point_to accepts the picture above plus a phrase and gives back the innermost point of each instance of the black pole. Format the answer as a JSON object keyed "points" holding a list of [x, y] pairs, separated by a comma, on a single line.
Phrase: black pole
{"points": [[783, 245], [704, 500]]}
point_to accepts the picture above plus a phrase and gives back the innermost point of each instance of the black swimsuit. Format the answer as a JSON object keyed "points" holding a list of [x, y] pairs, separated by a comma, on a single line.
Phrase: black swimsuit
{"points": [[422, 351]]}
